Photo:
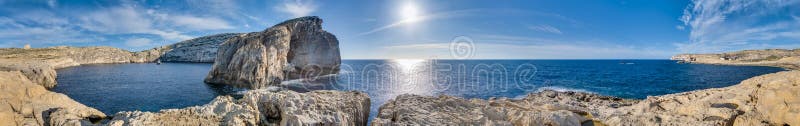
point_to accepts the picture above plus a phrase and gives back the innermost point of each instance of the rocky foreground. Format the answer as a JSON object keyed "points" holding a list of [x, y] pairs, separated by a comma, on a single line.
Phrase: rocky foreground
{"points": [[771, 99], [262, 107]]}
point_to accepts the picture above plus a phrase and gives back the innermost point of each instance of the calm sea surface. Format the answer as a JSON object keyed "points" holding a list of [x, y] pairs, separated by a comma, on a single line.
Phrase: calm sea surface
{"points": [[149, 87]]}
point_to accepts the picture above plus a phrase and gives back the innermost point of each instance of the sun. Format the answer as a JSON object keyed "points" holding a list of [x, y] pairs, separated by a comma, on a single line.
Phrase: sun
{"points": [[410, 12]]}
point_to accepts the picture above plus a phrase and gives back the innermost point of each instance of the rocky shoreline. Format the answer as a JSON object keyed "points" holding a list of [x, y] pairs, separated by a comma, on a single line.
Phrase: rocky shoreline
{"points": [[770, 99], [25, 75]]}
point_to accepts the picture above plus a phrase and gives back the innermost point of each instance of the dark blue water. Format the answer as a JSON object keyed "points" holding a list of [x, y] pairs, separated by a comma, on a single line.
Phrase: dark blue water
{"points": [[150, 87], [111, 88]]}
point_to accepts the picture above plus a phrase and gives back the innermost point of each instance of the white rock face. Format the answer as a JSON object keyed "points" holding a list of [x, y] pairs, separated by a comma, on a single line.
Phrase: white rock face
{"points": [[296, 48], [202, 49], [262, 107]]}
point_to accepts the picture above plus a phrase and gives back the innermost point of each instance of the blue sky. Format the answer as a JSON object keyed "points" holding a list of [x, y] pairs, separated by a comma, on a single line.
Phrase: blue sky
{"points": [[413, 29]]}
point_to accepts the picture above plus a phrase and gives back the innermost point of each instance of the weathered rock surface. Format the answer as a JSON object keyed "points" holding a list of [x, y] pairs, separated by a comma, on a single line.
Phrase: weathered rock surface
{"points": [[262, 107], [789, 59], [296, 48], [202, 49], [544, 108], [23, 102], [771, 99]]}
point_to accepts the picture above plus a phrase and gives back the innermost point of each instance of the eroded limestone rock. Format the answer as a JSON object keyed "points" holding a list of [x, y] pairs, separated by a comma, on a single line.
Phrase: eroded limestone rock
{"points": [[23, 102], [771, 99], [262, 107], [201, 49], [296, 48], [544, 108]]}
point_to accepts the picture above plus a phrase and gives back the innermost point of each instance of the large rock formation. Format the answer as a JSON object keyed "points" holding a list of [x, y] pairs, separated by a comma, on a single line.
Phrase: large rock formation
{"points": [[296, 48], [771, 99], [262, 107], [789, 59]]}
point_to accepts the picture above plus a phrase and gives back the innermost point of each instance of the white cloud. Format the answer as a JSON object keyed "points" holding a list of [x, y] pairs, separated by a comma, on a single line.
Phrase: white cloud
{"points": [[297, 8], [124, 19], [132, 20], [680, 27], [138, 42], [726, 25], [198, 23], [545, 28]]}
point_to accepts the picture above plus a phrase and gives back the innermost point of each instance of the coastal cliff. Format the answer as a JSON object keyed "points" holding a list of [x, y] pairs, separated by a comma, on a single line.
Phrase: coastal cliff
{"points": [[201, 49], [296, 48], [39, 64], [789, 59]]}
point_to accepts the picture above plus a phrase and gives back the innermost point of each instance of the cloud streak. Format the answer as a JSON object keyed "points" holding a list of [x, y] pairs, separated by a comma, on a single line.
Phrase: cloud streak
{"points": [[423, 18], [725, 25], [297, 8], [545, 28]]}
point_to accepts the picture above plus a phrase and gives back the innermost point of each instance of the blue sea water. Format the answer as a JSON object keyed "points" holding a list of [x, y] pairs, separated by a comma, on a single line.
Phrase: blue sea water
{"points": [[149, 87]]}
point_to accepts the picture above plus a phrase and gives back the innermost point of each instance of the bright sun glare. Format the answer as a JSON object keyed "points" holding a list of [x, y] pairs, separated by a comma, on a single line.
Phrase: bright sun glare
{"points": [[407, 64], [410, 12]]}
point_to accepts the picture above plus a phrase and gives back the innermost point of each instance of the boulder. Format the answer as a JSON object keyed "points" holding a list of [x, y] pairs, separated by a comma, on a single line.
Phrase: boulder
{"points": [[296, 48]]}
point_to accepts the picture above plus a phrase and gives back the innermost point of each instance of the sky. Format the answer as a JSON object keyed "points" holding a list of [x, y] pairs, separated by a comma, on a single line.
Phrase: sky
{"points": [[424, 29]]}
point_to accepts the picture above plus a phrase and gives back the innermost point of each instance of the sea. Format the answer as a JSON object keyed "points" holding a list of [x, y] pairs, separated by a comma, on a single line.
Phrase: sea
{"points": [[112, 88]]}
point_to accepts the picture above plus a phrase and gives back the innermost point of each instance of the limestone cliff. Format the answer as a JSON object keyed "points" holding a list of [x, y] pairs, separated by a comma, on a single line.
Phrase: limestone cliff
{"points": [[789, 59], [262, 107], [296, 48], [201, 49]]}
